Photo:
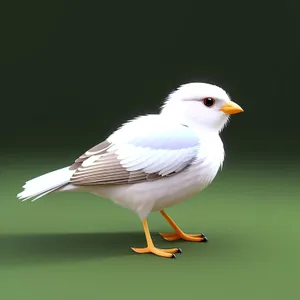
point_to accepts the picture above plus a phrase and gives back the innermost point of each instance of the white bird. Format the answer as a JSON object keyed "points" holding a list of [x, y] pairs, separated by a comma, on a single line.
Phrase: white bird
{"points": [[153, 161]]}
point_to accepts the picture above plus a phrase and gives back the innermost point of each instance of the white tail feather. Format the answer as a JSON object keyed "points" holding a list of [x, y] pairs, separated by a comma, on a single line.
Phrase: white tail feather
{"points": [[45, 184]]}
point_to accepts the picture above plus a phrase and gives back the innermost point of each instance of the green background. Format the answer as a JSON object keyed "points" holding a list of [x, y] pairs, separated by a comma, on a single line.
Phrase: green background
{"points": [[72, 71]]}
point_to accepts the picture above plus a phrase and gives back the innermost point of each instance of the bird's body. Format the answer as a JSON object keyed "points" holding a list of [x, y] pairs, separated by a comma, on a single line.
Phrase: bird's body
{"points": [[154, 161], [155, 195]]}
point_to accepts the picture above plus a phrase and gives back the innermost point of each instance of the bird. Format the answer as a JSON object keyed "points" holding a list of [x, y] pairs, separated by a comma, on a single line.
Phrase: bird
{"points": [[153, 161]]}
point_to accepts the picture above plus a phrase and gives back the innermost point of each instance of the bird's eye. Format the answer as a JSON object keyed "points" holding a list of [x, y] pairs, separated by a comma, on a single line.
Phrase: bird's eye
{"points": [[209, 102]]}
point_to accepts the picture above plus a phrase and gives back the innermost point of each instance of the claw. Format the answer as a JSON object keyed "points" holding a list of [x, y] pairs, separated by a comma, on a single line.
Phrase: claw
{"points": [[205, 240]]}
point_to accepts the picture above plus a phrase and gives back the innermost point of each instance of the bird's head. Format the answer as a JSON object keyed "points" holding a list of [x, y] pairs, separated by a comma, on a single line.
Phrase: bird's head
{"points": [[200, 105]]}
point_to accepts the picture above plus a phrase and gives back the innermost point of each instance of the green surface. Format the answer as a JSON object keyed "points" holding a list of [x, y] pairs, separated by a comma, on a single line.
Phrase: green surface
{"points": [[77, 246]]}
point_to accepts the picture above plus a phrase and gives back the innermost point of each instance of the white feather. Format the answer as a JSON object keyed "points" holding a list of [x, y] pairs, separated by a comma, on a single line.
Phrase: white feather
{"points": [[45, 184]]}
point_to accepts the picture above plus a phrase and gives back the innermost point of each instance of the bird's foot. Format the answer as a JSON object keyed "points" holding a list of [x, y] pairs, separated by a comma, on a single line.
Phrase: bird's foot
{"points": [[169, 253], [184, 236]]}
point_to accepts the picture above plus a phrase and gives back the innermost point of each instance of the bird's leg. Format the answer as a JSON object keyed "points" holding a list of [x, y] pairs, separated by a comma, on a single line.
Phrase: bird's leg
{"points": [[152, 249], [179, 234]]}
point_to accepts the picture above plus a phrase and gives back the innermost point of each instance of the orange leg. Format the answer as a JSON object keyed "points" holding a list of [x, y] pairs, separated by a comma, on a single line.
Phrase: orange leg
{"points": [[152, 249], [179, 234]]}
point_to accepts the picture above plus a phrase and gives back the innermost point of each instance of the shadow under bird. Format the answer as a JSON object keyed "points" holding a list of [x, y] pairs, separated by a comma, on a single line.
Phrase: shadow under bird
{"points": [[153, 161]]}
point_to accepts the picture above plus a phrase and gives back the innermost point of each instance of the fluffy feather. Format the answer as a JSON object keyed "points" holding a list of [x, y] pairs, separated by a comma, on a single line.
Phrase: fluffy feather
{"points": [[47, 183], [144, 149]]}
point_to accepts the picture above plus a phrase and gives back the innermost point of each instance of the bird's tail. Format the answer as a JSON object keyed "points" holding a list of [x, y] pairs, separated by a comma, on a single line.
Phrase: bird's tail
{"points": [[45, 184]]}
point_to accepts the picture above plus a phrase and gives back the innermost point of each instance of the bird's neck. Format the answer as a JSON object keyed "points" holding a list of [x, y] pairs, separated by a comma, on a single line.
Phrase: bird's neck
{"points": [[198, 127]]}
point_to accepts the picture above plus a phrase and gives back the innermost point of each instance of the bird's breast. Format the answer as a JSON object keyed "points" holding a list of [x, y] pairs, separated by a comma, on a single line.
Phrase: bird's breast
{"points": [[209, 159]]}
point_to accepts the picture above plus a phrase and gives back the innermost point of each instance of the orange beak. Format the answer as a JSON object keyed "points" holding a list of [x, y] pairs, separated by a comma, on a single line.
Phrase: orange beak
{"points": [[231, 108]]}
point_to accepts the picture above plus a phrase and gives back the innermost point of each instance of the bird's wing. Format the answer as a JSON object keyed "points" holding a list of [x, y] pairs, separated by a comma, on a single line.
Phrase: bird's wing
{"points": [[143, 149]]}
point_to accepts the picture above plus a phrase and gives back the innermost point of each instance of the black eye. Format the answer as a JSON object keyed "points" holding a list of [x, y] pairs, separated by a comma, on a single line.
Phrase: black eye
{"points": [[209, 102]]}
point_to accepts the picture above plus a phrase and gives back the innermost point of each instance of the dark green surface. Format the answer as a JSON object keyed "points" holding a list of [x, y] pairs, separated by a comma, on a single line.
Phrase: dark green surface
{"points": [[77, 246]]}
